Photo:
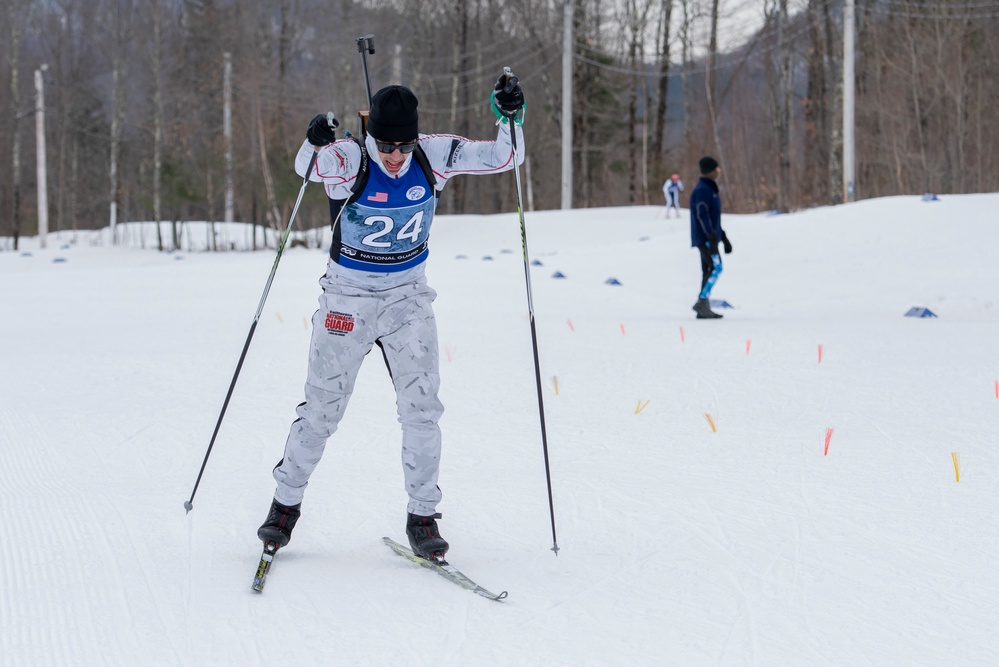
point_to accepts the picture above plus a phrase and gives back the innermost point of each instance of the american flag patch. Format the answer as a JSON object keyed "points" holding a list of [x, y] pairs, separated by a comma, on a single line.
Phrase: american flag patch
{"points": [[379, 197]]}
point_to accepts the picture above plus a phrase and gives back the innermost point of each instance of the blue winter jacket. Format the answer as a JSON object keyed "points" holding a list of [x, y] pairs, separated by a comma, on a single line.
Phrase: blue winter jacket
{"points": [[705, 212]]}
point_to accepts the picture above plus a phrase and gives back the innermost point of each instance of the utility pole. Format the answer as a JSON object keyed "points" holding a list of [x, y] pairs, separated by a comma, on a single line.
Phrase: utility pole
{"points": [[567, 11], [43, 196], [849, 83], [227, 134]]}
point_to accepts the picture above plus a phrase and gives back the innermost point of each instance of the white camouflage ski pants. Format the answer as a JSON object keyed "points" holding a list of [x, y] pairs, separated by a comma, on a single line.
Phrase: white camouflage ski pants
{"points": [[350, 320]]}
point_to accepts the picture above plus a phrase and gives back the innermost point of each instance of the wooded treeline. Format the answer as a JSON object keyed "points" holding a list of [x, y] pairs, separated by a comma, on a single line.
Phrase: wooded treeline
{"points": [[134, 99]]}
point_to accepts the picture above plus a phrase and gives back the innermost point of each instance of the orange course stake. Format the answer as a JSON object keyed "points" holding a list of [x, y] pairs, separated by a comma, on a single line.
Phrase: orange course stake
{"points": [[829, 433], [711, 422], [748, 343], [957, 465], [622, 331]]}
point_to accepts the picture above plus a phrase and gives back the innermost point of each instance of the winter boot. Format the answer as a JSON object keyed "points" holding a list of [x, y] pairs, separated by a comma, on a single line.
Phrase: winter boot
{"points": [[424, 536], [279, 523], [704, 312]]}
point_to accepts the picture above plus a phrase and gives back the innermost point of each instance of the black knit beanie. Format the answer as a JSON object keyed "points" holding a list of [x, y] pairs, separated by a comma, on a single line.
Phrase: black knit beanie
{"points": [[393, 115], [707, 164]]}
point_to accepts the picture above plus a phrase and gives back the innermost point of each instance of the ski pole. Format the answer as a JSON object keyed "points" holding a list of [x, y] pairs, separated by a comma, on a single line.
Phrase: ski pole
{"points": [[530, 307], [189, 504]]}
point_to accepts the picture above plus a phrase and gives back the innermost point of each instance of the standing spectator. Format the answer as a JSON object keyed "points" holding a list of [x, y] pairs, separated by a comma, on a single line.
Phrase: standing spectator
{"points": [[672, 189], [706, 233]]}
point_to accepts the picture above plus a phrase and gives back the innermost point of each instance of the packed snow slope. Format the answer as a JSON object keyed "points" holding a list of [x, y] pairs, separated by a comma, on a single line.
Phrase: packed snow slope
{"points": [[810, 481]]}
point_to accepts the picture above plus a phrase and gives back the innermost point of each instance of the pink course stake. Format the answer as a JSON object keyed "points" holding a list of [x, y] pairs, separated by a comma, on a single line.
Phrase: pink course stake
{"points": [[829, 433], [571, 328], [820, 354], [997, 381], [748, 343]]}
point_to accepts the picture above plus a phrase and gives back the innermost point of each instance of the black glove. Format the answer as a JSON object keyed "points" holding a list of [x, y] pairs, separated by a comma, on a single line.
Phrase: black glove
{"points": [[320, 132], [508, 95], [726, 243], [712, 244]]}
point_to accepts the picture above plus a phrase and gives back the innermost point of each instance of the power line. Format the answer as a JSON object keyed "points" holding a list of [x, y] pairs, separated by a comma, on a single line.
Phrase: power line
{"points": [[531, 75], [909, 11]]}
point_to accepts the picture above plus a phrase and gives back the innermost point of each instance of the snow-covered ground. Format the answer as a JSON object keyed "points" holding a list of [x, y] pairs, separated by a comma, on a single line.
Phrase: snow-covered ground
{"points": [[680, 544]]}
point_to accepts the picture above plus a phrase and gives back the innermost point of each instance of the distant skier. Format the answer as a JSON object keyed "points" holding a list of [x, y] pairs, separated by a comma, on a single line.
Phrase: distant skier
{"points": [[671, 190], [706, 233], [375, 292]]}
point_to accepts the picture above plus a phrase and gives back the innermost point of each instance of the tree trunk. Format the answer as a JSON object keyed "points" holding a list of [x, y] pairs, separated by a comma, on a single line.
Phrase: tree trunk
{"points": [[835, 175], [709, 83], [15, 100], [157, 67], [816, 103], [273, 212], [686, 46], [459, 93], [659, 127], [783, 116], [634, 48], [116, 84]]}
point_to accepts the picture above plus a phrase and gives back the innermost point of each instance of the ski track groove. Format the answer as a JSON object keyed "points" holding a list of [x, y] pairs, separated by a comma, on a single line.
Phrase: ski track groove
{"points": [[148, 596], [44, 569], [747, 607], [63, 544]]}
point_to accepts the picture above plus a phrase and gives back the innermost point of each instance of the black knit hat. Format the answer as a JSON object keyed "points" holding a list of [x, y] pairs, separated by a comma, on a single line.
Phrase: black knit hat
{"points": [[707, 164], [393, 115]]}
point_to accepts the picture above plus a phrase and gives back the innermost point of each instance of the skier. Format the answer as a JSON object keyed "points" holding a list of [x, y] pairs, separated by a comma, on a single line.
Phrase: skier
{"points": [[375, 291], [671, 190], [706, 233]]}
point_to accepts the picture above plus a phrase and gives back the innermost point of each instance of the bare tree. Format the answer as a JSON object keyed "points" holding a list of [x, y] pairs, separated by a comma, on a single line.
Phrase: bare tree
{"points": [[118, 21], [686, 47], [658, 172], [14, 14], [635, 18], [156, 65], [709, 81], [776, 15], [137, 123]]}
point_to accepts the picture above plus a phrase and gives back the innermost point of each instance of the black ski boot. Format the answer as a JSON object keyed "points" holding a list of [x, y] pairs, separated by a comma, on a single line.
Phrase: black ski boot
{"points": [[704, 312], [279, 523], [424, 537]]}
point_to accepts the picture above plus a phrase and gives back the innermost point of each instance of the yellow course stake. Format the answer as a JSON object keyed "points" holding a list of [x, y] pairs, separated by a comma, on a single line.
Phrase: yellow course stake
{"points": [[641, 406], [711, 422], [957, 465], [555, 382]]}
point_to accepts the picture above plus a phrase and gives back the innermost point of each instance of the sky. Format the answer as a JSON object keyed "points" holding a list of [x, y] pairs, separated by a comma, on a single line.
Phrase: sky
{"points": [[807, 481]]}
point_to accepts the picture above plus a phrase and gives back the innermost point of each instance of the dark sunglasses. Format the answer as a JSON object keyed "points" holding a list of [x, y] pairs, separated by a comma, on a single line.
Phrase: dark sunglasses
{"points": [[404, 148]]}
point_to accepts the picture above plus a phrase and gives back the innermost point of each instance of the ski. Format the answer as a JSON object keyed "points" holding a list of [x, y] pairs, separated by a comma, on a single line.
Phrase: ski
{"points": [[443, 568], [266, 558]]}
